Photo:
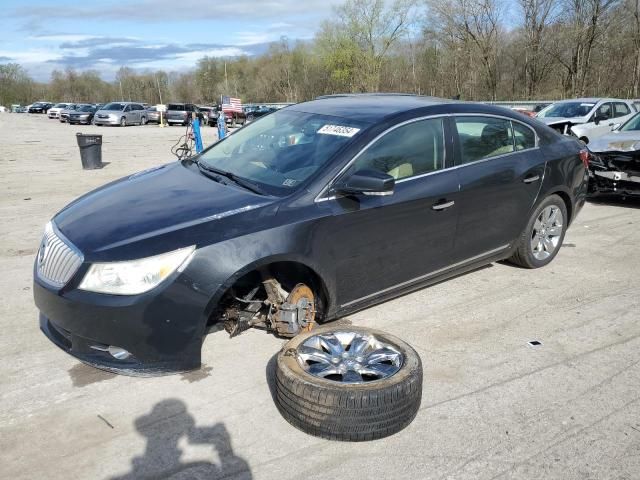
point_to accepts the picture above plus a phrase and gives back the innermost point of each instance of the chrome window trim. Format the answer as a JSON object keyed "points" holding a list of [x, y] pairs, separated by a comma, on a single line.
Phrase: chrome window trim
{"points": [[321, 198], [428, 275]]}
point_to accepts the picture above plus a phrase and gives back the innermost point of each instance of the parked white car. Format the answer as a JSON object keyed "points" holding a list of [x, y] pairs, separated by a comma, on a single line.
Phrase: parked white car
{"points": [[587, 118], [54, 112]]}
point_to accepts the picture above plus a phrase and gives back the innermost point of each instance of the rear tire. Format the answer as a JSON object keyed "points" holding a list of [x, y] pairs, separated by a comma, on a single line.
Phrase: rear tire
{"points": [[143, 121], [542, 238], [337, 410], [123, 122]]}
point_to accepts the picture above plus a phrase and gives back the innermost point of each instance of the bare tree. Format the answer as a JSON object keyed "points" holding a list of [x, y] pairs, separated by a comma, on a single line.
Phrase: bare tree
{"points": [[476, 23], [632, 7], [537, 16], [583, 23]]}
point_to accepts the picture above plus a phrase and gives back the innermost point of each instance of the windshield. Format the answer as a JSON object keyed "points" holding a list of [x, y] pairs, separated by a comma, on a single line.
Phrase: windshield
{"points": [[176, 106], [280, 151], [61, 105], [114, 106], [566, 110], [632, 124], [85, 108]]}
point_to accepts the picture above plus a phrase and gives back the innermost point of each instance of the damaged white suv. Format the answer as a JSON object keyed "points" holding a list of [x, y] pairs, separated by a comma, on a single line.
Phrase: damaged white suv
{"points": [[587, 118]]}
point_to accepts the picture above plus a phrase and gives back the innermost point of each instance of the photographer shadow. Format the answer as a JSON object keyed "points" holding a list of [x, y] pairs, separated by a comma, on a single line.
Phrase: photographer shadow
{"points": [[165, 427]]}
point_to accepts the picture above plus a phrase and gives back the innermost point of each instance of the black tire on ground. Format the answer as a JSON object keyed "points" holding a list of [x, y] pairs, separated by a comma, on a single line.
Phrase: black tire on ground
{"points": [[523, 254], [348, 411], [123, 122], [143, 121]]}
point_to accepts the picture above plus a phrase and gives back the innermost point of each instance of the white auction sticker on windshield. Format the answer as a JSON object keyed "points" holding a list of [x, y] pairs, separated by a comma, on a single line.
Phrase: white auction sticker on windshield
{"points": [[339, 130]]}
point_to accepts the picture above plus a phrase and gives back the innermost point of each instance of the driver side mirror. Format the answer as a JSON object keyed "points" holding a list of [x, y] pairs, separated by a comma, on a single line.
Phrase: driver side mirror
{"points": [[367, 182]]}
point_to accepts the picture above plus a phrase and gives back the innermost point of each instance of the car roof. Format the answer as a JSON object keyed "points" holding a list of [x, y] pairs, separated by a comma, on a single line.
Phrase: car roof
{"points": [[593, 100], [368, 107]]}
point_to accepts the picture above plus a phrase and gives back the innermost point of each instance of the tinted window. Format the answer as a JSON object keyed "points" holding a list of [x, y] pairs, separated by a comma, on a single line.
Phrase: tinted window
{"points": [[566, 109], [621, 109], [632, 124], [524, 136], [483, 137], [604, 111], [113, 106], [410, 150], [176, 106]]}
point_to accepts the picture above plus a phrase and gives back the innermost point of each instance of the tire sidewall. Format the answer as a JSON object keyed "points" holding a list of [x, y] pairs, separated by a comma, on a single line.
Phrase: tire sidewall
{"points": [[551, 200]]}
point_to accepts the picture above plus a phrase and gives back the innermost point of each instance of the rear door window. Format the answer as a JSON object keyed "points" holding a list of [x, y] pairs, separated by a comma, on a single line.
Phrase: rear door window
{"points": [[483, 137], [621, 109], [524, 136]]}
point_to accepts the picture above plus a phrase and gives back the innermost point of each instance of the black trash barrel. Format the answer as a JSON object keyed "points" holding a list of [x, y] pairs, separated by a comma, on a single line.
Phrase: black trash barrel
{"points": [[90, 150]]}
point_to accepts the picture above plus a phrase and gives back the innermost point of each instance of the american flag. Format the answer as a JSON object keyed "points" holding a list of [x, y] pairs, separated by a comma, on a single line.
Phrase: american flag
{"points": [[230, 104]]}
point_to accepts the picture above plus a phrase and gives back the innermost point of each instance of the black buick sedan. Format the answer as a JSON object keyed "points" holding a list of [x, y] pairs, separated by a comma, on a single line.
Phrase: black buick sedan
{"points": [[307, 214]]}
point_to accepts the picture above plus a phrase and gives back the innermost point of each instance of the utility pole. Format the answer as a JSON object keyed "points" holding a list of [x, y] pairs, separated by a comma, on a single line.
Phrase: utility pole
{"points": [[226, 79], [121, 94], [159, 91]]}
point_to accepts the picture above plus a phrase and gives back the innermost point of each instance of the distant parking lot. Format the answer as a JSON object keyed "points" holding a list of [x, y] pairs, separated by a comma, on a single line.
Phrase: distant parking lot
{"points": [[493, 406]]}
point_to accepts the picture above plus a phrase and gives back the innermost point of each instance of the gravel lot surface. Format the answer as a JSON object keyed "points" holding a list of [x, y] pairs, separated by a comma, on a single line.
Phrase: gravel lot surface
{"points": [[493, 406]]}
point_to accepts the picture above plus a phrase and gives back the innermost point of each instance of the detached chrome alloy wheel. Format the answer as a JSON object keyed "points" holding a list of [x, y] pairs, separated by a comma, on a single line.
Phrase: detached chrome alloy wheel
{"points": [[547, 231], [348, 383], [349, 357]]}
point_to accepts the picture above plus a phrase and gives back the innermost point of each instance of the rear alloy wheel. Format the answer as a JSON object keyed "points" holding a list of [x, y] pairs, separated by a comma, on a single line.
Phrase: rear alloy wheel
{"points": [[544, 234], [123, 122], [348, 383]]}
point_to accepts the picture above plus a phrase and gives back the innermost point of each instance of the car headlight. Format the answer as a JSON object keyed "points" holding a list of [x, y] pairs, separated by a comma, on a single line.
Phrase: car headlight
{"points": [[135, 276]]}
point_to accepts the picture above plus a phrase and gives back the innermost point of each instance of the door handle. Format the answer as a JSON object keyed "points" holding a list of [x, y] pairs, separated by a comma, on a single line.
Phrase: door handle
{"points": [[443, 206], [532, 179]]}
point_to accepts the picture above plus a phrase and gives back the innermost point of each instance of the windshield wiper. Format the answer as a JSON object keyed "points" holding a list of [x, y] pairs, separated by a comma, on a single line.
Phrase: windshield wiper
{"points": [[243, 182]]}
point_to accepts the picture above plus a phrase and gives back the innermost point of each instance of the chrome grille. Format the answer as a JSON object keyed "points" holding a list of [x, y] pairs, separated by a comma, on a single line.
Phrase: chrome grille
{"points": [[57, 261]]}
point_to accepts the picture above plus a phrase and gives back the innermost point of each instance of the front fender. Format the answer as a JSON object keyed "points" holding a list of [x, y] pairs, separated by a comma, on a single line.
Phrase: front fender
{"points": [[217, 267]]}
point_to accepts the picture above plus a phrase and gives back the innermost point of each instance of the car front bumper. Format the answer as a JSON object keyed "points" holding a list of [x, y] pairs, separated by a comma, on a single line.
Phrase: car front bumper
{"points": [[612, 182], [85, 120], [161, 331], [106, 121]]}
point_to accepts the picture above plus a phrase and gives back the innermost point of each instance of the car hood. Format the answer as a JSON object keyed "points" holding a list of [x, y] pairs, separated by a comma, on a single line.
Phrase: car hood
{"points": [[151, 207], [556, 120], [616, 141]]}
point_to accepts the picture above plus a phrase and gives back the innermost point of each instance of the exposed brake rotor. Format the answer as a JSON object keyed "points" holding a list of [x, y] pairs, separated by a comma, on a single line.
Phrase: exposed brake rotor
{"points": [[302, 297]]}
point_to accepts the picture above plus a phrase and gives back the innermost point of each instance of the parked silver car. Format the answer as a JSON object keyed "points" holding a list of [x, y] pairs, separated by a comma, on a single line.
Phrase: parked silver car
{"points": [[587, 118], [54, 112], [64, 113], [121, 113]]}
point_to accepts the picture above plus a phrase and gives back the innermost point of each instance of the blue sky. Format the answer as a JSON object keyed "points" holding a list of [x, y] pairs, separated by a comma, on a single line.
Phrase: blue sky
{"points": [[104, 35]]}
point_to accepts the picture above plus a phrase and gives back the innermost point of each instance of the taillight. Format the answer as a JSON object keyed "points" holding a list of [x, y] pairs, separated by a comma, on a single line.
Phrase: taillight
{"points": [[585, 156]]}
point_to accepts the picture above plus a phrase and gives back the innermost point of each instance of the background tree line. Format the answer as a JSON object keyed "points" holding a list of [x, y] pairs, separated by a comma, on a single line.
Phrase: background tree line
{"points": [[472, 49]]}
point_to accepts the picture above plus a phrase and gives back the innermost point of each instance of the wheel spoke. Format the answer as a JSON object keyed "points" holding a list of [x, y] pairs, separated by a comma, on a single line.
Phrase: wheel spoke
{"points": [[331, 343], [381, 355], [321, 370], [553, 214], [359, 345], [548, 245], [537, 225], [313, 354], [381, 370], [352, 377], [555, 231]]}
